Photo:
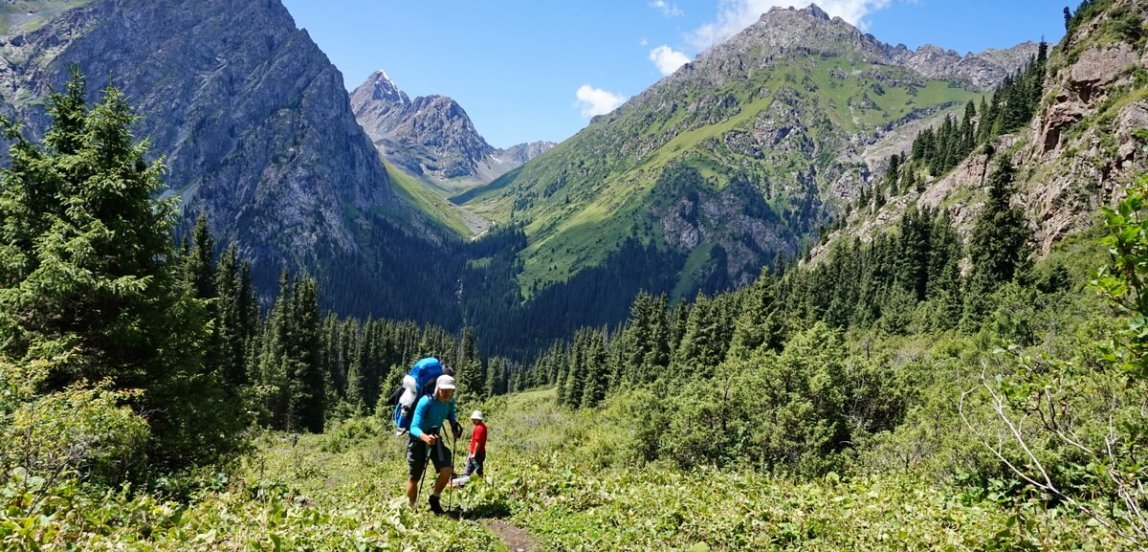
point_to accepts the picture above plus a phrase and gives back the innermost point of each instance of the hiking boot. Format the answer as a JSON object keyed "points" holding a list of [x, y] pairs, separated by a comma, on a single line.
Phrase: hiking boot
{"points": [[434, 505]]}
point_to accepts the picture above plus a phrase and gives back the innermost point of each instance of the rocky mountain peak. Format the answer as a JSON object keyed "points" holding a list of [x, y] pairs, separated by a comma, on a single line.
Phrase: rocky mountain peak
{"points": [[788, 32], [815, 11], [429, 135], [982, 70], [382, 88], [522, 153], [809, 28]]}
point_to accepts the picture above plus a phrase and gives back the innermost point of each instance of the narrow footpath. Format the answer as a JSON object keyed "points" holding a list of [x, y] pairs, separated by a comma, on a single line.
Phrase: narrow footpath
{"points": [[515, 538]]}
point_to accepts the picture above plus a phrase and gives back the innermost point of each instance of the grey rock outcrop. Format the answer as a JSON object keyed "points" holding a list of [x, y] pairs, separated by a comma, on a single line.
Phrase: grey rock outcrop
{"points": [[1089, 141], [522, 153]]}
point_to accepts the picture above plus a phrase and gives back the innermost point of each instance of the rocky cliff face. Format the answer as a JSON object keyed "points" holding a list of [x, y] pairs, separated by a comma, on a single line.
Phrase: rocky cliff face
{"points": [[1085, 146], [1090, 141], [431, 135], [525, 152], [253, 119], [984, 70]]}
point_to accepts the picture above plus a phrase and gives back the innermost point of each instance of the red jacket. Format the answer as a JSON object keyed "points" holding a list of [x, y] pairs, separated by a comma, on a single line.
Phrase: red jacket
{"points": [[478, 439]]}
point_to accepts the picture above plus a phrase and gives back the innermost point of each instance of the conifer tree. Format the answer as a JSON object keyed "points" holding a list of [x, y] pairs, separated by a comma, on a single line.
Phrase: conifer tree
{"points": [[759, 326], [592, 342], [467, 365], [356, 380], [562, 393], [999, 246], [231, 326], [274, 381], [307, 408], [575, 374], [90, 284], [200, 263]]}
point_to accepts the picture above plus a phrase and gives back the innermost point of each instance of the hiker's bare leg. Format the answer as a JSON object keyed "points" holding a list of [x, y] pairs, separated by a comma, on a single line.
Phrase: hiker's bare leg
{"points": [[444, 476], [412, 491]]}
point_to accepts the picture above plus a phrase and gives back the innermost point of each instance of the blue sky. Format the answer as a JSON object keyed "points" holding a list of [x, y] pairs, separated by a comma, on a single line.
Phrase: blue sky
{"points": [[528, 70]]}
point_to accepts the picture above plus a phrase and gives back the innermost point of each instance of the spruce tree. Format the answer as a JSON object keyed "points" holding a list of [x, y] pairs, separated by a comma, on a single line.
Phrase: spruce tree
{"points": [[307, 403], [594, 384], [999, 246], [230, 324], [356, 380], [274, 373], [90, 283], [200, 263], [759, 326]]}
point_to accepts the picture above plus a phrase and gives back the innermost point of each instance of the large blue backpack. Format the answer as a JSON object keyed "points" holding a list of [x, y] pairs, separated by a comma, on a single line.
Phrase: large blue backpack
{"points": [[416, 384]]}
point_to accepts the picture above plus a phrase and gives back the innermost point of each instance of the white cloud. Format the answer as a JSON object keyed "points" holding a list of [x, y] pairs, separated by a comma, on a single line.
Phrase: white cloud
{"points": [[667, 59], [666, 8], [735, 15], [595, 101]]}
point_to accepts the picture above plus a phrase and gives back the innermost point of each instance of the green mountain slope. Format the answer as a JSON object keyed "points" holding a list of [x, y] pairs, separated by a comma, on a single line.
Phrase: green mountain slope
{"points": [[426, 198], [786, 110]]}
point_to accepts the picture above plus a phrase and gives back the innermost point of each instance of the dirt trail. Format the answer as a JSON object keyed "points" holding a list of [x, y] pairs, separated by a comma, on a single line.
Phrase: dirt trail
{"points": [[515, 538]]}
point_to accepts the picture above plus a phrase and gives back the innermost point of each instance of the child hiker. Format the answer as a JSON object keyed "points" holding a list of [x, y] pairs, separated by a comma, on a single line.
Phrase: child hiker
{"points": [[477, 456]]}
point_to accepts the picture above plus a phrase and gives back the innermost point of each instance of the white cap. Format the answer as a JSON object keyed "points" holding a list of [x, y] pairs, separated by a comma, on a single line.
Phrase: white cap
{"points": [[476, 415], [444, 382]]}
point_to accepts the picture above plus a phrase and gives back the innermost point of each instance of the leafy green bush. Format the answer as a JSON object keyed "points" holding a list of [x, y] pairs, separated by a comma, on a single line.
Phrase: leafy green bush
{"points": [[1088, 436], [351, 432], [82, 429], [78, 429]]}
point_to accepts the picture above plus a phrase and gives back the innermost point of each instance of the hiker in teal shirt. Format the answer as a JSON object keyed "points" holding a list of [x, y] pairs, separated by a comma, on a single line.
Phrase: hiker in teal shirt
{"points": [[430, 412]]}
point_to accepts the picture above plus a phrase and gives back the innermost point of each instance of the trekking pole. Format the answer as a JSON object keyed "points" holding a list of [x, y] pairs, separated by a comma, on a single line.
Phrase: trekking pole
{"points": [[423, 481]]}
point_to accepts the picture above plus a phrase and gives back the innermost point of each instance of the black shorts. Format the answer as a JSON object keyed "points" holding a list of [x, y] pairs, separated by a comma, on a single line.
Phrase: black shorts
{"points": [[417, 457]]}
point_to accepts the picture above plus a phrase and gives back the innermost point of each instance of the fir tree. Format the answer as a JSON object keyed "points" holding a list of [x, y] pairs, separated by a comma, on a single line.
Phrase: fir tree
{"points": [[200, 263], [759, 326], [307, 402], [999, 245], [90, 284]]}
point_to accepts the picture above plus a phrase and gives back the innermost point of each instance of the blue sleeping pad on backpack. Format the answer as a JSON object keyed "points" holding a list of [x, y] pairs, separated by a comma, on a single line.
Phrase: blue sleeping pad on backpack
{"points": [[418, 382]]}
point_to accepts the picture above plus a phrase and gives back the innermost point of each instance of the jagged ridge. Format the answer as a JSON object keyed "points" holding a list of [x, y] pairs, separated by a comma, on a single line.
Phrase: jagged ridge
{"points": [[432, 135]]}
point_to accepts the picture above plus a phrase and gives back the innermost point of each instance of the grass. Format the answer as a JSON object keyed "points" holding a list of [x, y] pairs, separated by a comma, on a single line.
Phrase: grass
{"points": [[479, 264], [696, 260], [427, 200], [560, 475], [28, 16]]}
